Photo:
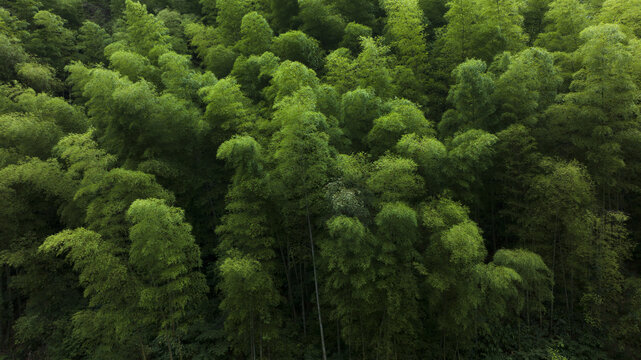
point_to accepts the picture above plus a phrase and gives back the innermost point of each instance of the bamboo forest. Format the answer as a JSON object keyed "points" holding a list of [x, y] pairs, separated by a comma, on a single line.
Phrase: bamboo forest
{"points": [[320, 179]]}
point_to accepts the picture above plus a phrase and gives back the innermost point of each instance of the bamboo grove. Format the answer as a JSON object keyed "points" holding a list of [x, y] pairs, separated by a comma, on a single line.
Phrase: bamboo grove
{"points": [[320, 179]]}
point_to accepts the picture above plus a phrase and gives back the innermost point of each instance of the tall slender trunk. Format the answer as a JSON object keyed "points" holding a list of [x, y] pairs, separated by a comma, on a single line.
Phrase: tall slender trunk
{"points": [[492, 201], [527, 306], [360, 325], [302, 300], [260, 346], [171, 355], [251, 335], [518, 338], [173, 336], [457, 354], [571, 291], [553, 270], [320, 319], [290, 295], [338, 339], [213, 214], [4, 327], [565, 286], [142, 350]]}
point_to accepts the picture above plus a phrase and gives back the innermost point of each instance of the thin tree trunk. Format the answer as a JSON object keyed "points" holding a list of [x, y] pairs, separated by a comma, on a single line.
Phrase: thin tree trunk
{"points": [[380, 338], [251, 335], [320, 320], [457, 355], [527, 306], [338, 338], [360, 325], [213, 213], [142, 350], [571, 291], [302, 300], [541, 317], [171, 355], [565, 285], [553, 271], [519, 334], [289, 282], [493, 222], [4, 326], [260, 346]]}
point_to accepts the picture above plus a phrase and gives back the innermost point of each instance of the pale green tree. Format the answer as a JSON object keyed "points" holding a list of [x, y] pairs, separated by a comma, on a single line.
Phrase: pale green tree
{"points": [[471, 96], [256, 35], [626, 13]]}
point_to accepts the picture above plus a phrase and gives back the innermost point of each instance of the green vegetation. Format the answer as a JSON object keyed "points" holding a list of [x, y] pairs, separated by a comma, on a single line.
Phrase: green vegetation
{"points": [[320, 179]]}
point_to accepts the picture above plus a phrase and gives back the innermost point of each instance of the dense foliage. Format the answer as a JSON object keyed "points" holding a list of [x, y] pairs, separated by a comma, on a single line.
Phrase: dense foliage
{"points": [[320, 179]]}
